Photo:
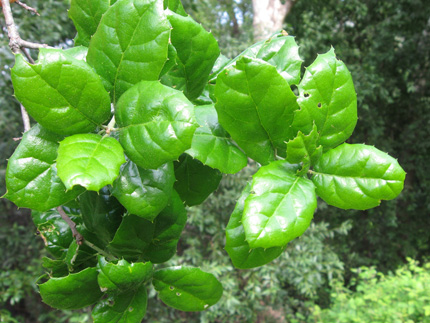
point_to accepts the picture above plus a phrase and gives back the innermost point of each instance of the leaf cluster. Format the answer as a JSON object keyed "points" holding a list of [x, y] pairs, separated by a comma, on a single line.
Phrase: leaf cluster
{"points": [[141, 118]]}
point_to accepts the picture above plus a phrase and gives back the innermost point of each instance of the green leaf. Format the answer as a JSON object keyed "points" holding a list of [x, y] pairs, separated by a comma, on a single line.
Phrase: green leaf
{"points": [[168, 228], [303, 149], [256, 106], [60, 92], [89, 160], [73, 291], [328, 99], [279, 50], [132, 238], [31, 174], [195, 181], [78, 52], [357, 177], [57, 268], [130, 44], [280, 207], [156, 123], [101, 214], [86, 15], [282, 52], [175, 6], [123, 275], [187, 288], [79, 255], [197, 52], [144, 192], [242, 256], [127, 307], [212, 145], [54, 231]]}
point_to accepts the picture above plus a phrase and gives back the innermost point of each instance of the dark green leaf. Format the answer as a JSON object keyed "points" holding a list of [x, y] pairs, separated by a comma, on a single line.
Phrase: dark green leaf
{"points": [[242, 256], [187, 288], [195, 181], [101, 214], [280, 207], [60, 92], [357, 177], [130, 44], [328, 99], [78, 255], [144, 192], [212, 145], [256, 106], [89, 160], [57, 268], [156, 123], [73, 291], [127, 307], [168, 228], [132, 238], [123, 275], [54, 231], [197, 52], [31, 175], [86, 15]]}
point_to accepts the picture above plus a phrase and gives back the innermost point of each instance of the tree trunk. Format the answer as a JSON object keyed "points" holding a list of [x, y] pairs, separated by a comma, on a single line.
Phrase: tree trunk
{"points": [[269, 16]]}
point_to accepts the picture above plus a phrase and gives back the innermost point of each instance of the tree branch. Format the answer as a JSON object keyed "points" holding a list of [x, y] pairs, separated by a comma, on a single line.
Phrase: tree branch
{"points": [[79, 238]]}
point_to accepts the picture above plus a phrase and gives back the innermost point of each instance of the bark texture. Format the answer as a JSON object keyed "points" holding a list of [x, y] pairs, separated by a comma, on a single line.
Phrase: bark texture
{"points": [[269, 16]]}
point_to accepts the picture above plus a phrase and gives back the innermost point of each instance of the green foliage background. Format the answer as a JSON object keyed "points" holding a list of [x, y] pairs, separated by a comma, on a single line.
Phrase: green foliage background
{"points": [[386, 46]]}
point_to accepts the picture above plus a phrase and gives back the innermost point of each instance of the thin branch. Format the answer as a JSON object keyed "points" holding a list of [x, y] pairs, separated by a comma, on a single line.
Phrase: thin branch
{"points": [[26, 7], [79, 238], [25, 119], [108, 256]]}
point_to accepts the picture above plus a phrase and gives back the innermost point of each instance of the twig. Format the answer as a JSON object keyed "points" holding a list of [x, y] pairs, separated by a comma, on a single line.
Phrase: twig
{"points": [[26, 7], [79, 238], [108, 256], [25, 119]]}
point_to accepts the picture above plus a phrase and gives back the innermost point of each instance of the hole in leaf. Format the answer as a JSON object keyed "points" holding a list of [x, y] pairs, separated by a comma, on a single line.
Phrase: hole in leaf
{"points": [[306, 95], [130, 309], [172, 288], [206, 306], [319, 105], [178, 294]]}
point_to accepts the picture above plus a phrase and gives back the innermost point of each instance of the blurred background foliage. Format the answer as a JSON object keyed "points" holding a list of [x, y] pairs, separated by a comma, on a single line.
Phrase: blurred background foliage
{"points": [[386, 46]]}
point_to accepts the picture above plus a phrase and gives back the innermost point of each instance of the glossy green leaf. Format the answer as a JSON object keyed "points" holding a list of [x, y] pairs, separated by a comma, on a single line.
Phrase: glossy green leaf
{"points": [[303, 149], [101, 214], [73, 291], [279, 50], [280, 207], [175, 6], [127, 307], [357, 177], [86, 15], [122, 275], [132, 238], [156, 123], [31, 175], [54, 231], [144, 192], [60, 92], [130, 44], [187, 288], [328, 99], [256, 106], [283, 53], [212, 145], [195, 181], [89, 160], [197, 52], [242, 256], [168, 228], [78, 52], [79, 256]]}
